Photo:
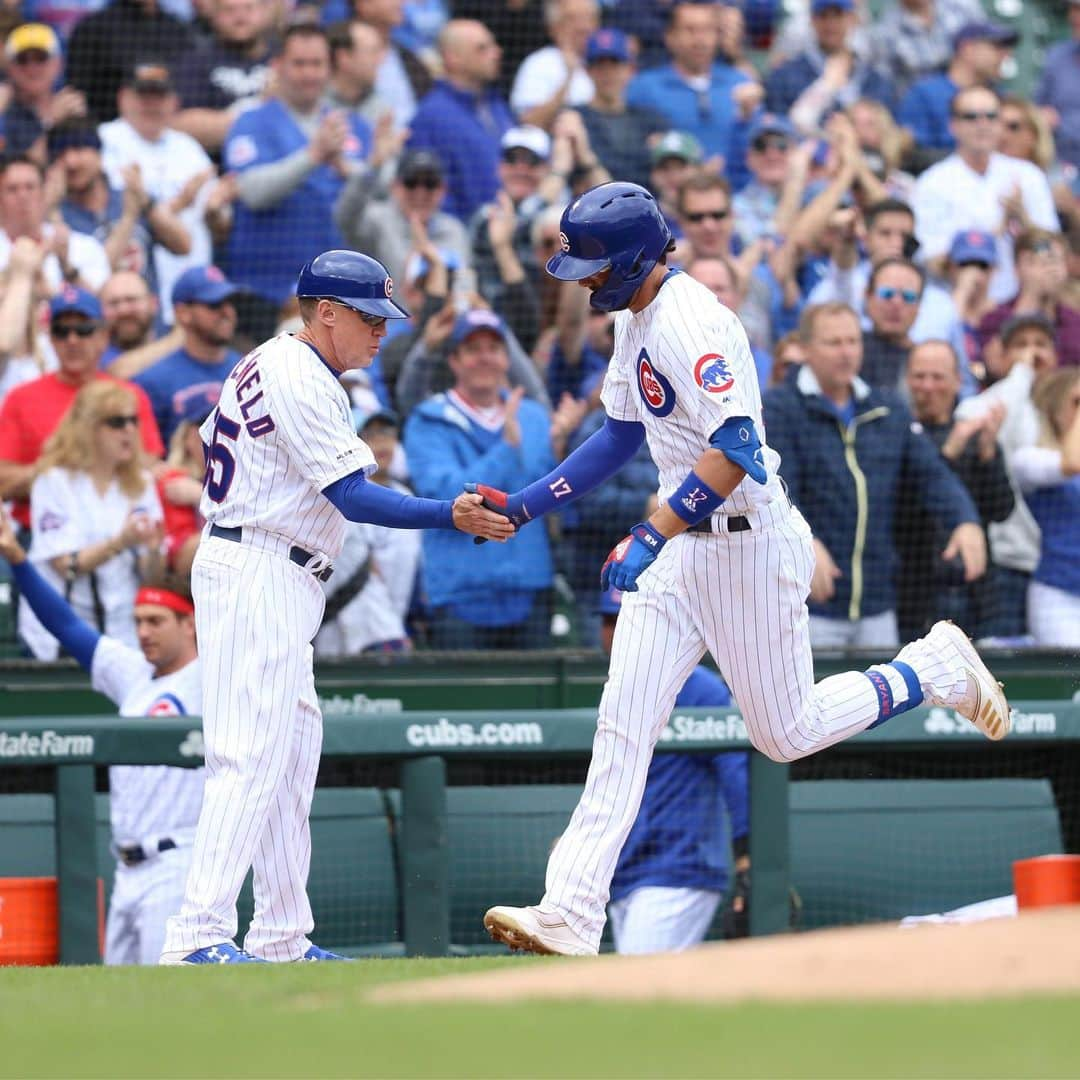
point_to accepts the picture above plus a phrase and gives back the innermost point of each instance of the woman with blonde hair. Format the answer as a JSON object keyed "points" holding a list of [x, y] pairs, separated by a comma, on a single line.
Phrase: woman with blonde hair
{"points": [[1026, 135], [883, 143], [1048, 474], [95, 515]]}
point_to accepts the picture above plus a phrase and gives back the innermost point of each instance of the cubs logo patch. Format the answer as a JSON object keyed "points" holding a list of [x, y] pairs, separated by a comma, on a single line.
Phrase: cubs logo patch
{"points": [[712, 374], [164, 706], [657, 393], [388, 287], [564, 243]]}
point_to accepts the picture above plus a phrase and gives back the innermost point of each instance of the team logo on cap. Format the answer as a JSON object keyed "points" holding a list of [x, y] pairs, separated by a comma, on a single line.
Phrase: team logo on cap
{"points": [[564, 243], [712, 374], [70, 294], [388, 286], [214, 274], [657, 393]]}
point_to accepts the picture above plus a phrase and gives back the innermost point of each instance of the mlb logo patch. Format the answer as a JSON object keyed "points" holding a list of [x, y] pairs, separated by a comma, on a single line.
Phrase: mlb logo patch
{"points": [[657, 393], [712, 374]]}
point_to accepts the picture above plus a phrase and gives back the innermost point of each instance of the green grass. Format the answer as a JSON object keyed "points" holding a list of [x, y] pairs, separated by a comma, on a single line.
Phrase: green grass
{"points": [[314, 1020]]}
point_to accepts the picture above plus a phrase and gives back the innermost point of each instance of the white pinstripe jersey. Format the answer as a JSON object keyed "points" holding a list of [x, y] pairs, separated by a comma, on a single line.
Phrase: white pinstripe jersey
{"points": [[683, 366], [148, 800], [282, 431]]}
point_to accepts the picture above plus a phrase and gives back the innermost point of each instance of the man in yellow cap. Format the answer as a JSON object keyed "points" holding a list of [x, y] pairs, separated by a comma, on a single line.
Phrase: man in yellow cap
{"points": [[34, 64]]}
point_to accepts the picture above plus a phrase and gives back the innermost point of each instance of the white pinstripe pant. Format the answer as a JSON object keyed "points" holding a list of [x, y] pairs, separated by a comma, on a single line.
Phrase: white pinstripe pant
{"points": [[143, 897], [742, 596], [256, 614]]}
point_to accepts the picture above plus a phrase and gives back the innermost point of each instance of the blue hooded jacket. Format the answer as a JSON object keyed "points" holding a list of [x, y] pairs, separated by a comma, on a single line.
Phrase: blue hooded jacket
{"points": [[446, 449]]}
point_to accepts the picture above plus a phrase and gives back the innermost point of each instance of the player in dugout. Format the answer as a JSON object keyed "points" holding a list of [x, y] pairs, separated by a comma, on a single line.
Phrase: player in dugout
{"points": [[153, 808]]}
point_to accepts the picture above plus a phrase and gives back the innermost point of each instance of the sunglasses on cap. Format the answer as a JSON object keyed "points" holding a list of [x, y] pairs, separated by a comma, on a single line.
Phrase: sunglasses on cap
{"points": [[887, 292], [376, 322], [429, 183], [63, 331], [770, 142], [118, 423], [698, 217]]}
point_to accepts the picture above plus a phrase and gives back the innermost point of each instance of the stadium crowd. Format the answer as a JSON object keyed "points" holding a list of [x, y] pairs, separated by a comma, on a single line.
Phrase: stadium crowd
{"points": [[899, 236]]}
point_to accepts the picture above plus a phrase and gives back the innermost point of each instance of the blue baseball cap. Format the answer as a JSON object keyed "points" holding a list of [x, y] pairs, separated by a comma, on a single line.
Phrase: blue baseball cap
{"points": [[610, 602], [474, 321], [973, 246], [985, 31], [196, 407], [203, 285], [417, 266], [771, 124], [73, 299], [608, 44], [818, 6]]}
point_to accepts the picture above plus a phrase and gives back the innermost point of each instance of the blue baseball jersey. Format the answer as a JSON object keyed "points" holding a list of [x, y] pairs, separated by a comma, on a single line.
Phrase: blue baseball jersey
{"points": [[266, 246], [176, 379], [679, 839]]}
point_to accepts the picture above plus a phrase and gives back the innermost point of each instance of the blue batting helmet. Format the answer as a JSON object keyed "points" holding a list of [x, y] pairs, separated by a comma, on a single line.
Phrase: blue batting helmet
{"points": [[616, 226], [355, 280]]}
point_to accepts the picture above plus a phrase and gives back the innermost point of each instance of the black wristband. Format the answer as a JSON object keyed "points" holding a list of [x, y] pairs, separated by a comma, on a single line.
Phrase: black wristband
{"points": [[740, 845]]}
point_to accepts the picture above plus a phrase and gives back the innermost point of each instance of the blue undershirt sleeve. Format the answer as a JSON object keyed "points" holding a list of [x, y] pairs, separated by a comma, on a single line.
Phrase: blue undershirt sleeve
{"points": [[599, 457], [56, 614], [359, 499]]}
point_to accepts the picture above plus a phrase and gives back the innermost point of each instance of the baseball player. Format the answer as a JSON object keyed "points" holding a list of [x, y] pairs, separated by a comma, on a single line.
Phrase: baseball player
{"points": [[153, 808], [723, 564], [673, 868], [285, 469]]}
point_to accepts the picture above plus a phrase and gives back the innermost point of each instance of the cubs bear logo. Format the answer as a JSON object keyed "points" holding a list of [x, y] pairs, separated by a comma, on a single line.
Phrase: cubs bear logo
{"points": [[712, 374], [389, 287], [657, 393]]}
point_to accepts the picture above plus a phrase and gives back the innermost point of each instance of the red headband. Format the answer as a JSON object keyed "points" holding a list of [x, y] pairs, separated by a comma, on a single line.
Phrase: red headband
{"points": [[165, 598]]}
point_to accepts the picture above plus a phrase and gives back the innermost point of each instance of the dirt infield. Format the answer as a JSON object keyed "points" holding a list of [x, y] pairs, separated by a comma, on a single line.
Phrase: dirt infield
{"points": [[1037, 952]]}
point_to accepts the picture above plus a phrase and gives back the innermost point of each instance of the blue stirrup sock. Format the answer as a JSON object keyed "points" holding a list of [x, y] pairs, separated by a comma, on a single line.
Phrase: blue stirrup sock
{"points": [[898, 689]]}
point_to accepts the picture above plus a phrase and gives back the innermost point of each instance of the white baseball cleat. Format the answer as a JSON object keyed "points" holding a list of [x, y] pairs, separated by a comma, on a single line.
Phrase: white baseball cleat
{"points": [[529, 929], [977, 696]]}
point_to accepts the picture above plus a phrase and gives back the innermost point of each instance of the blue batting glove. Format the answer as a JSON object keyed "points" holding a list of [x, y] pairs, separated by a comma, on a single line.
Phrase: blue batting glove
{"points": [[631, 557]]}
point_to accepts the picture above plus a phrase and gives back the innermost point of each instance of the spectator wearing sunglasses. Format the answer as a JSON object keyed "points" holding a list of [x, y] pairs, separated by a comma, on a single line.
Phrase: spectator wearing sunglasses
{"points": [[385, 226], [698, 92], [204, 310], [34, 65], [96, 516], [978, 188], [979, 50], [758, 209], [827, 74], [892, 303], [1042, 273], [32, 411]]}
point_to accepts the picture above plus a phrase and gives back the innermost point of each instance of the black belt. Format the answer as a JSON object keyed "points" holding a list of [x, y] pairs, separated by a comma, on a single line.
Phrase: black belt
{"points": [[735, 523], [133, 854], [296, 553]]}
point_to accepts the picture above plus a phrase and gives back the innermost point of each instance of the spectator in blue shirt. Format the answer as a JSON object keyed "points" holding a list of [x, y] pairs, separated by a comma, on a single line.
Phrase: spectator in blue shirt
{"points": [[675, 865], [827, 74], [202, 300], [1059, 90], [463, 118], [979, 50], [699, 93], [292, 155], [494, 596]]}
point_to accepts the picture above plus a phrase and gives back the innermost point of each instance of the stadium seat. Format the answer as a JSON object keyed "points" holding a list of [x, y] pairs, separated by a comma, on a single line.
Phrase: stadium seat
{"points": [[868, 850]]}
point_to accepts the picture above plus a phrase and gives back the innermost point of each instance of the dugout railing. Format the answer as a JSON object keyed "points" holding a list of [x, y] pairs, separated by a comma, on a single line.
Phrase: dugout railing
{"points": [[420, 746]]}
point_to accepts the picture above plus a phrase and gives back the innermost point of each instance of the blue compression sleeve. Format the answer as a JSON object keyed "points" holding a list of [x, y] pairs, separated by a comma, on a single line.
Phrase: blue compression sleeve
{"points": [[361, 500], [599, 457], [56, 614]]}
